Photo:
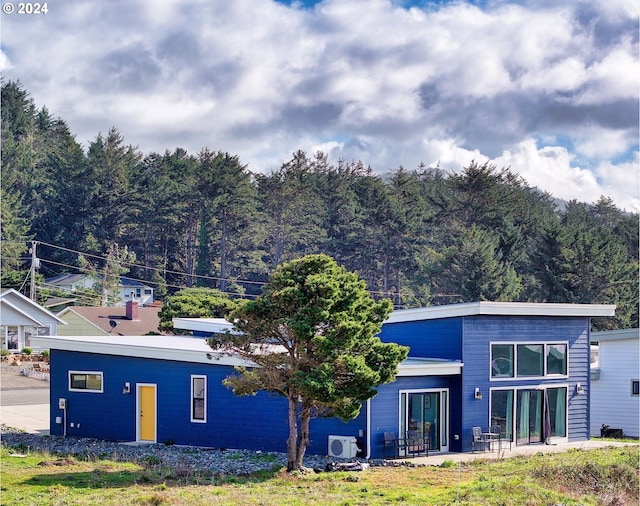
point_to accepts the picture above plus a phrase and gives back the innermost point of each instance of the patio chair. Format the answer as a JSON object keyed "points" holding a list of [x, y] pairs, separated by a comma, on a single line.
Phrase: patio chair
{"points": [[416, 443], [478, 439], [495, 436], [390, 442]]}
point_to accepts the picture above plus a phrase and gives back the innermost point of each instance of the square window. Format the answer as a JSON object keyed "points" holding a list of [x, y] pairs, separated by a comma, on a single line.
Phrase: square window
{"points": [[530, 360], [502, 361]]}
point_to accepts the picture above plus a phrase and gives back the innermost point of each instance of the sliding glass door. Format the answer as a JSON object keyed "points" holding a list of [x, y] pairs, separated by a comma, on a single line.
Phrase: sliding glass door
{"points": [[426, 413], [534, 414], [529, 416]]}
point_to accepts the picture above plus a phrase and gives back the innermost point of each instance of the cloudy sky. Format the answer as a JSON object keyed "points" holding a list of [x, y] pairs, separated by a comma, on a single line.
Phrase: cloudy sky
{"points": [[549, 88]]}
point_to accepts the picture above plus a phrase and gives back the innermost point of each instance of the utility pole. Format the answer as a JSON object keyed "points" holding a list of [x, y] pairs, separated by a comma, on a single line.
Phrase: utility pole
{"points": [[35, 265]]}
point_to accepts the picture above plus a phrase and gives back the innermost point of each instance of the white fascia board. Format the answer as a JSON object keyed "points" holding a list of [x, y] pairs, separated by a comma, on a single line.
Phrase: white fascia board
{"points": [[181, 349], [11, 291], [501, 309], [21, 312], [616, 335], [213, 325], [429, 367]]}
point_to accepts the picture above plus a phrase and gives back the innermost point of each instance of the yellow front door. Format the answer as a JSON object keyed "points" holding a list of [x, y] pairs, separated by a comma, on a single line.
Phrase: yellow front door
{"points": [[147, 412]]}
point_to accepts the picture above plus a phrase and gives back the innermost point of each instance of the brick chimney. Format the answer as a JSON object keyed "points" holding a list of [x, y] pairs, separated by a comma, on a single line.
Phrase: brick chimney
{"points": [[132, 310]]}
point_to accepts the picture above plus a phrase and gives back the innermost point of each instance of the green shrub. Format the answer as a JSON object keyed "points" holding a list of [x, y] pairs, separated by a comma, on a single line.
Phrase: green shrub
{"points": [[4, 352], [27, 351]]}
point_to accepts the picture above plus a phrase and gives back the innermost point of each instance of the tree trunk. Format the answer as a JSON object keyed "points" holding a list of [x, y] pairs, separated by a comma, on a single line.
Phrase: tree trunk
{"points": [[292, 441], [303, 442], [223, 256]]}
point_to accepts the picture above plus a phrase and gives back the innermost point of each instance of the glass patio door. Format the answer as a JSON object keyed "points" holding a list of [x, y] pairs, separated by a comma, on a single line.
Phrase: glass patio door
{"points": [[529, 417], [426, 413]]}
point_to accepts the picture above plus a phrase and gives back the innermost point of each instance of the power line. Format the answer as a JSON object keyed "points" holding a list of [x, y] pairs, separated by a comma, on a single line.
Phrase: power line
{"points": [[157, 269], [143, 281], [168, 271]]}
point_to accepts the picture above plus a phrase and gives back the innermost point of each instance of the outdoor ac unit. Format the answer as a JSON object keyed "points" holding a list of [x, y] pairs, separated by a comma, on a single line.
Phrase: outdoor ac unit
{"points": [[343, 447]]}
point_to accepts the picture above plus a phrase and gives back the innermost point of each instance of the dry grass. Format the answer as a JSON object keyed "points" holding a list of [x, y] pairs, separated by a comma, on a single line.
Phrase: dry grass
{"points": [[596, 477]]}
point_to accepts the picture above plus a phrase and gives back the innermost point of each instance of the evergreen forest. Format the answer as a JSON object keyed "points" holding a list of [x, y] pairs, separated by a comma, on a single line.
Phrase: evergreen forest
{"points": [[419, 236]]}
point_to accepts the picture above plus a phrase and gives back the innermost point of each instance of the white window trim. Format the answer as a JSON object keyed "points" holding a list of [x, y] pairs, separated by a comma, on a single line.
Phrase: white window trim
{"points": [[444, 405], [87, 390], [515, 376], [191, 403], [554, 439]]}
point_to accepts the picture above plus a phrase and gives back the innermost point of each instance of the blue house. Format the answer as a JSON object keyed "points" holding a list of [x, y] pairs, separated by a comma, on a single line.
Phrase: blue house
{"points": [[522, 366]]}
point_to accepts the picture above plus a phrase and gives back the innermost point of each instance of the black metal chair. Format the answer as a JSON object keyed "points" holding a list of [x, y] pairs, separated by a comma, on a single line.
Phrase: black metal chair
{"points": [[478, 439], [495, 436], [417, 443], [390, 442]]}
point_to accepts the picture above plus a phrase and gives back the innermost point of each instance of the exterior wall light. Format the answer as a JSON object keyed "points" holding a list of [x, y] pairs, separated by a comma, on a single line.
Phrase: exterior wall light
{"points": [[126, 389], [580, 390], [477, 394]]}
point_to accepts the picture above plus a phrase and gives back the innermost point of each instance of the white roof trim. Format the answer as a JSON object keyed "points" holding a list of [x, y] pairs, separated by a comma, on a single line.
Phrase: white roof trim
{"points": [[616, 335], [16, 293], [181, 349], [196, 350], [502, 309], [214, 325], [414, 366], [21, 312]]}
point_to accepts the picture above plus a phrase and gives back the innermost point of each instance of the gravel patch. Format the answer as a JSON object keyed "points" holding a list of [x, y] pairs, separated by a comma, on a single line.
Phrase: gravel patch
{"points": [[182, 459]]}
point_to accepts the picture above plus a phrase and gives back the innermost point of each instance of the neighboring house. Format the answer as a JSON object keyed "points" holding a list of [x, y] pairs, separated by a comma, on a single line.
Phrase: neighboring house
{"points": [[70, 283], [21, 319], [128, 289], [130, 320], [522, 366], [615, 381]]}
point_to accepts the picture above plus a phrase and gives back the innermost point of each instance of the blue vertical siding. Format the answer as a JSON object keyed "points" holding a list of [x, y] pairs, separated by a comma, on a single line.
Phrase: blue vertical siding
{"points": [[579, 372], [385, 406], [257, 422], [428, 338], [480, 331], [260, 422]]}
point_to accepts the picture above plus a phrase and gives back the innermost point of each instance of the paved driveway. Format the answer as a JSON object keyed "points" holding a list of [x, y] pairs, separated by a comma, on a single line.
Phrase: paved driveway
{"points": [[24, 402]]}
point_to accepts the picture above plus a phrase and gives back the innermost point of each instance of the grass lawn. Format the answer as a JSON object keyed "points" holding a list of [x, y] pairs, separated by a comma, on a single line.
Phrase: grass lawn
{"points": [[596, 477]]}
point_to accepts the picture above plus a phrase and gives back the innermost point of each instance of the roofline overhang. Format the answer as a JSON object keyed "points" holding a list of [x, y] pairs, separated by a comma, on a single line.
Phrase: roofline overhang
{"points": [[501, 309], [615, 335], [26, 315], [429, 367], [212, 325], [173, 348], [119, 347], [29, 301]]}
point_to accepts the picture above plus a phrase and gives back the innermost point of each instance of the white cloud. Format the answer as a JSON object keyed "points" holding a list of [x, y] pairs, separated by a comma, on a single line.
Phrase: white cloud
{"points": [[553, 169], [363, 79], [5, 64], [602, 143]]}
